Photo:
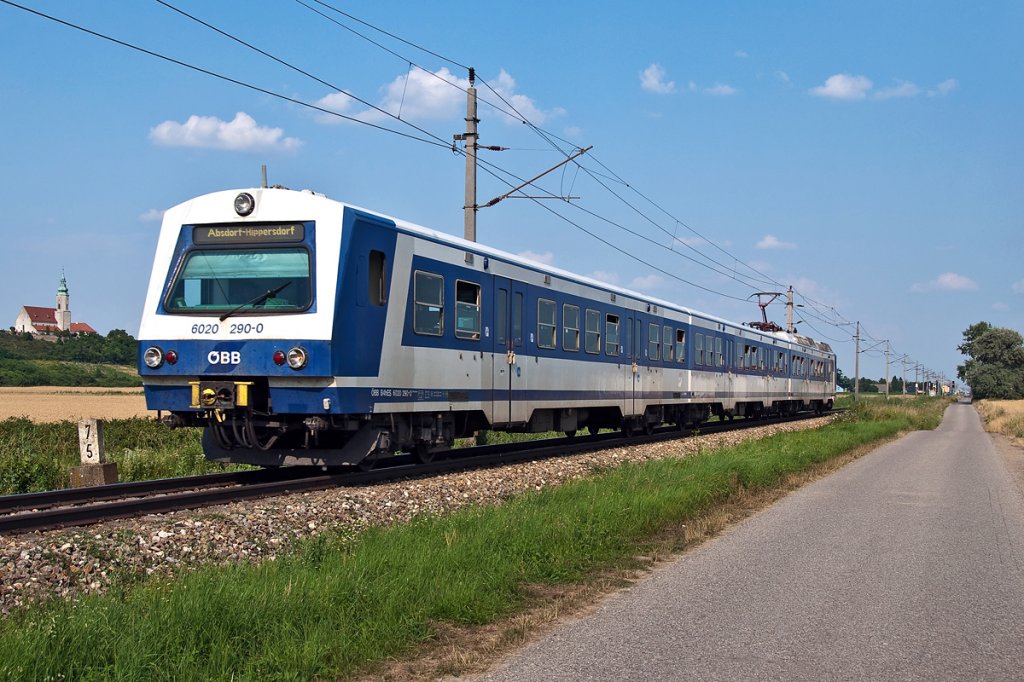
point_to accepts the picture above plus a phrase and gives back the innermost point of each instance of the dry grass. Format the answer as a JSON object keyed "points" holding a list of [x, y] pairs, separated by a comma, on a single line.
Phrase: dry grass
{"points": [[1005, 417], [57, 403]]}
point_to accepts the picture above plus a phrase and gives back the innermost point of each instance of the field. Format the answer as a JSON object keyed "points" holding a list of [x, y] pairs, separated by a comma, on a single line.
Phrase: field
{"points": [[1005, 417], [43, 404]]}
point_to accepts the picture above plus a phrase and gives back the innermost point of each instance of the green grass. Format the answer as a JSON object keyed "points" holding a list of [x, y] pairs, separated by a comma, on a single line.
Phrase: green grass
{"points": [[17, 372], [339, 604], [36, 457]]}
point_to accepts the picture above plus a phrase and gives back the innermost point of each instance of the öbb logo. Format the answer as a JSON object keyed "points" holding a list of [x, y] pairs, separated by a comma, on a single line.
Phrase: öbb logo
{"points": [[224, 357]]}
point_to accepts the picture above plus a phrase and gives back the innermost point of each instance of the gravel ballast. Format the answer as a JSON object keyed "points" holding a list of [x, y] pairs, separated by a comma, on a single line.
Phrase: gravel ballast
{"points": [[72, 562]]}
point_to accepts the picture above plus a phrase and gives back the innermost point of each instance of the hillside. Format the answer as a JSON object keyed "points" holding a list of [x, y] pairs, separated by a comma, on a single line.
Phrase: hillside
{"points": [[73, 360]]}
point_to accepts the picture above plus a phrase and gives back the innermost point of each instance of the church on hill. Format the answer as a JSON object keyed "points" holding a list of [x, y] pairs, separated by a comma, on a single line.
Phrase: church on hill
{"points": [[43, 321]]}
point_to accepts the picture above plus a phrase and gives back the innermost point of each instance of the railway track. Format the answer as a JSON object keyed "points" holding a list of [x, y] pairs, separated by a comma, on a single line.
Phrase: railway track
{"points": [[84, 506]]}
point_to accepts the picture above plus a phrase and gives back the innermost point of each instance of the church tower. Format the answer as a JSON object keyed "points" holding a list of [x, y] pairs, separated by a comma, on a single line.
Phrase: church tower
{"points": [[63, 312]]}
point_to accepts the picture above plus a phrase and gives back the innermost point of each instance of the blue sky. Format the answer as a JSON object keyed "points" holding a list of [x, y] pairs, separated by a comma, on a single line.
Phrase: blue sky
{"points": [[871, 154]]}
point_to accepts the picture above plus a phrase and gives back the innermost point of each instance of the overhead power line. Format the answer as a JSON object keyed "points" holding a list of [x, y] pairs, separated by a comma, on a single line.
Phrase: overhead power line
{"points": [[219, 76]]}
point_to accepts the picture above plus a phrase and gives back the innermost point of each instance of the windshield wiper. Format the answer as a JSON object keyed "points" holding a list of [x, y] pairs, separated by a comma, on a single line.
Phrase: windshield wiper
{"points": [[270, 293]]}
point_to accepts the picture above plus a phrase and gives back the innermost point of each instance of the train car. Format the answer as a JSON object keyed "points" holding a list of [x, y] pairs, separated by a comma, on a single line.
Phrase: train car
{"points": [[300, 330]]}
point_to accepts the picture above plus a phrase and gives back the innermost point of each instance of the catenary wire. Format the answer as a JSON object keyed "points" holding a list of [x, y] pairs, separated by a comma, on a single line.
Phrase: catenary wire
{"points": [[220, 76]]}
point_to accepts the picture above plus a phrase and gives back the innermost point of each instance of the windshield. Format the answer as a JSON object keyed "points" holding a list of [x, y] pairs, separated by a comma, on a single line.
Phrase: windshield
{"points": [[238, 280]]}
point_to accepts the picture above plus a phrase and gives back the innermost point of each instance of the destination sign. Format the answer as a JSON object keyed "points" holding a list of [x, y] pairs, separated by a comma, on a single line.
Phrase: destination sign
{"points": [[248, 234]]}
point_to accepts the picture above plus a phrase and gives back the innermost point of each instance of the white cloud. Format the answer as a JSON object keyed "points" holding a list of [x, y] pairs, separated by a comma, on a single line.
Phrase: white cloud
{"points": [[573, 131], [422, 96], [605, 276], [152, 215], [742, 54], [547, 258], [691, 86], [947, 281], [1000, 306], [339, 102], [646, 283], [691, 241], [843, 86], [720, 89], [240, 134], [901, 89], [944, 88], [772, 243], [652, 79], [783, 76], [506, 85], [416, 96], [1017, 287]]}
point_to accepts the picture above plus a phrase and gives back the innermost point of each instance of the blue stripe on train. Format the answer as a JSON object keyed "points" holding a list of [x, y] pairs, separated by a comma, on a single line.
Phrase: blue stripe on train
{"points": [[310, 400]]}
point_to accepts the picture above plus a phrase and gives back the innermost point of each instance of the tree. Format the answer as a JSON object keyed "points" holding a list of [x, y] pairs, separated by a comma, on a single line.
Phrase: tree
{"points": [[868, 385], [995, 368], [971, 335], [896, 385], [842, 381]]}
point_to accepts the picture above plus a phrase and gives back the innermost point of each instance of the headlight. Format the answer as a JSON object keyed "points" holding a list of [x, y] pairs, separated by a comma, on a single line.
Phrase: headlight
{"points": [[244, 204], [153, 357], [297, 357]]}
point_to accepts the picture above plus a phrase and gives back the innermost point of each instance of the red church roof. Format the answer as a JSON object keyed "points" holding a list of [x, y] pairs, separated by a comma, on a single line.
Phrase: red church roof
{"points": [[45, 320], [40, 316]]}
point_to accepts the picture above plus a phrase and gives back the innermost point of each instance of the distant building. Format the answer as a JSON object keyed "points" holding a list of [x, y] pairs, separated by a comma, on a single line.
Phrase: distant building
{"points": [[45, 321]]}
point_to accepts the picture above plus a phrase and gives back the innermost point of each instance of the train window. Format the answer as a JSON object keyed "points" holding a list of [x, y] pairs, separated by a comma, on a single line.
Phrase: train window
{"points": [[681, 345], [517, 318], [593, 337], [698, 348], [467, 310], [570, 327], [611, 334], [255, 279], [666, 338], [654, 341], [428, 316], [719, 362], [376, 290], [780, 363], [501, 317], [546, 323]]}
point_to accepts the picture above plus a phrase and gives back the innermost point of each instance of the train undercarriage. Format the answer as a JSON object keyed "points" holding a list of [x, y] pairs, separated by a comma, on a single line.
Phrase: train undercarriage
{"points": [[240, 427]]}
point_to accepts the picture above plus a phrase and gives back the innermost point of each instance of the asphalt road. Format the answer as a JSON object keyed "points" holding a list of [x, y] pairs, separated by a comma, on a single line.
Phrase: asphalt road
{"points": [[908, 564]]}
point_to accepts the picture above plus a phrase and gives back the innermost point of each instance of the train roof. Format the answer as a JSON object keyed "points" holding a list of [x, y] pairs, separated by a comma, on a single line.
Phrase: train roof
{"points": [[490, 252]]}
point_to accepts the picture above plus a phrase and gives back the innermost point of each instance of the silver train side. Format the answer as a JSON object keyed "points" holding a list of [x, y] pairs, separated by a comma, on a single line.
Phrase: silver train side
{"points": [[300, 330]]}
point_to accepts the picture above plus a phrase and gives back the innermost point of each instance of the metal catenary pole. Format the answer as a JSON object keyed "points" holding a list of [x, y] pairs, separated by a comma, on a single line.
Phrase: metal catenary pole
{"points": [[856, 365], [471, 143]]}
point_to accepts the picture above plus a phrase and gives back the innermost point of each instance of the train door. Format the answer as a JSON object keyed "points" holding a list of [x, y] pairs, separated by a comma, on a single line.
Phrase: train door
{"points": [[730, 382], [635, 352], [509, 369]]}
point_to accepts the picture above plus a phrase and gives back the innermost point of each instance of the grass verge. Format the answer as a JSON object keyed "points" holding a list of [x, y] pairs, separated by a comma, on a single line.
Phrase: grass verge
{"points": [[339, 606], [36, 457]]}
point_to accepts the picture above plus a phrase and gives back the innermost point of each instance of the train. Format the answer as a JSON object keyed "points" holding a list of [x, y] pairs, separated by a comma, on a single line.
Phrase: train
{"points": [[300, 330]]}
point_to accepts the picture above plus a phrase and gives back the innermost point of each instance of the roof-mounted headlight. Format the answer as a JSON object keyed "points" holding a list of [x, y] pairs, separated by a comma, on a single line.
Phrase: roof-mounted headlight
{"points": [[244, 204]]}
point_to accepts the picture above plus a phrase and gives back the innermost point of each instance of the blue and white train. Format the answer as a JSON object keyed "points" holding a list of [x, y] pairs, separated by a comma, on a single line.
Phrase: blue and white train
{"points": [[300, 330]]}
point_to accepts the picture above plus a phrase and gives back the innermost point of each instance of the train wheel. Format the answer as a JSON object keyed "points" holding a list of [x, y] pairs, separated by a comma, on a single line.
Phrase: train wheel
{"points": [[423, 453], [367, 463], [571, 433], [593, 430]]}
